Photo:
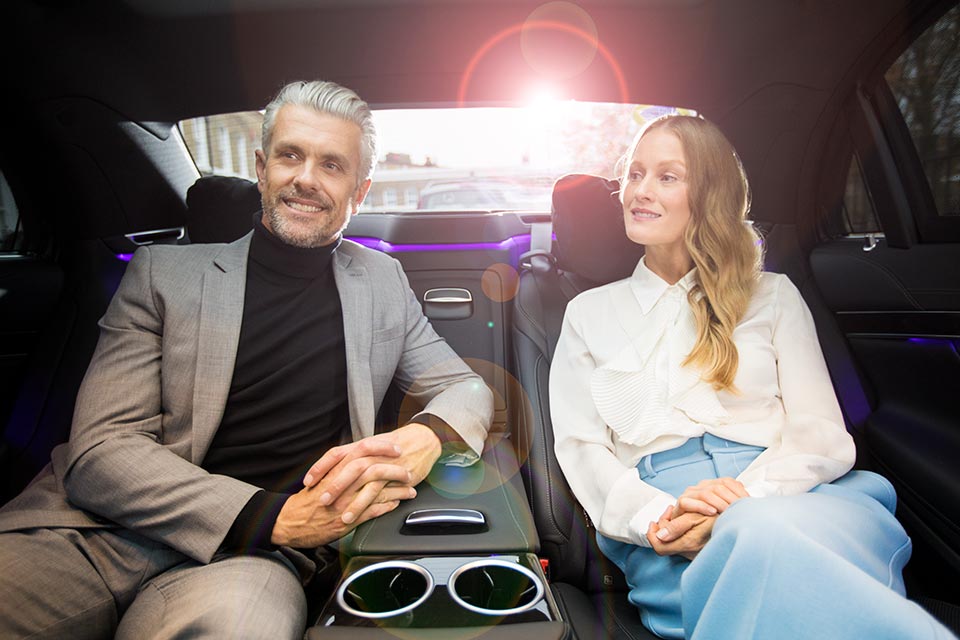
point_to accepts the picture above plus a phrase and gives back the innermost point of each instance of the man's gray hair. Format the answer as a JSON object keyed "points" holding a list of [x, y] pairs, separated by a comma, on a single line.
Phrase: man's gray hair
{"points": [[327, 97]]}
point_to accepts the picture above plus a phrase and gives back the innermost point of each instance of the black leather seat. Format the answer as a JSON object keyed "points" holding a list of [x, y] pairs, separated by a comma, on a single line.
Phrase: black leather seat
{"points": [[591, 249], [220, 209], [39, 419]]}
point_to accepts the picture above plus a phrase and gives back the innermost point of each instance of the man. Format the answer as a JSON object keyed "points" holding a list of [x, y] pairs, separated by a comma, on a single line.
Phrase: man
{"points": [[205, 451]]}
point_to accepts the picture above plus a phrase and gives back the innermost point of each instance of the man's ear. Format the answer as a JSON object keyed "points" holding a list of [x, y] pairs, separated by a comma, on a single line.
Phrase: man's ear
{"points": [[361, 193], [261, 165]]}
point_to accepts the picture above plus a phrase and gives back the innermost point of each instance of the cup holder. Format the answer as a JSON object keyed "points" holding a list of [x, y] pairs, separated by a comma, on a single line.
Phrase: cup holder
{"points": [[495, 587], [385, 589]]}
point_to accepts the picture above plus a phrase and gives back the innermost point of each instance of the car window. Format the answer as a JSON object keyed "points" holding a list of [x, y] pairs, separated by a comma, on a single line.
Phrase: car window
{"points": [[224, 144], [858, 215], [9, 219], [455, 159], [925, 81]]}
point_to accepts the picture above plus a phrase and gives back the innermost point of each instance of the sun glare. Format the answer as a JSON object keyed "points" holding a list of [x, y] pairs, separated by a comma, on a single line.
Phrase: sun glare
{"points": [[543, 97]]}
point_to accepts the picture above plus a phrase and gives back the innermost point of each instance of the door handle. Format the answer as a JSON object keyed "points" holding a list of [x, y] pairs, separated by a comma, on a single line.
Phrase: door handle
{"points": [[448, 303], [449, 295], [437, 521]]}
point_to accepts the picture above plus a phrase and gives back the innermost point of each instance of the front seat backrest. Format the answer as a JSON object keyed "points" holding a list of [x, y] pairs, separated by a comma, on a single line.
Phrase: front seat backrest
{"points": [[221, 208]]}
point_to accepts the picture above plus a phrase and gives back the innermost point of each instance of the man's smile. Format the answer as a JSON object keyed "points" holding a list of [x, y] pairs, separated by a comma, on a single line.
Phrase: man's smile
{"points": [[303, 207]]}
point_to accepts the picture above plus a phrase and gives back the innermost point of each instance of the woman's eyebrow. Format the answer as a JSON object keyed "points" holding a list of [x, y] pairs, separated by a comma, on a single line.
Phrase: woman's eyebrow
{"points": [[672, 165], [661, 164]]}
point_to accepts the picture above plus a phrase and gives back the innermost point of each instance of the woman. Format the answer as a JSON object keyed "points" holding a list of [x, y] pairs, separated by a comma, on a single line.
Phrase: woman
{"points": [[686, 392]]}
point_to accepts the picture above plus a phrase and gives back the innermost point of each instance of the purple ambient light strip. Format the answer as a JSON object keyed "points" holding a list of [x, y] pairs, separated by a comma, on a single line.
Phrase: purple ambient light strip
{"points": [[519, 241], [940, 342], [389, 247]]}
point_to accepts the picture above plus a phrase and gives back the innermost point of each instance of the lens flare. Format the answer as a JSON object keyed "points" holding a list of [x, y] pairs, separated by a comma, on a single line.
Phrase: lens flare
{"points": [[500, 282], [555, 54], [531, 26]]}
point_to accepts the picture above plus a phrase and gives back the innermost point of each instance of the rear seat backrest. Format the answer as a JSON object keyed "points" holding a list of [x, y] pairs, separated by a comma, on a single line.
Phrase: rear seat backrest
{"points": [[41, 414], [220, 209], [785, 255], [591, 249]]}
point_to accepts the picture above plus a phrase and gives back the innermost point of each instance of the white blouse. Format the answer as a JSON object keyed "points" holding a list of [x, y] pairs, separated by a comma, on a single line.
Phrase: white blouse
{"points": [[618, 393]]}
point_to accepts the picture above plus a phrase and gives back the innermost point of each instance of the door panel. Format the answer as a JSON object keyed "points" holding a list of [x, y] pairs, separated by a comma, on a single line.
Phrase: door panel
{"points": [[925, 277], [900, 312]]}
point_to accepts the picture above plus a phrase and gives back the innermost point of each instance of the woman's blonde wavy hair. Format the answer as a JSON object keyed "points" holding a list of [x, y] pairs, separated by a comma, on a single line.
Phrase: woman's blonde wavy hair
{"points": [[725, 248]]}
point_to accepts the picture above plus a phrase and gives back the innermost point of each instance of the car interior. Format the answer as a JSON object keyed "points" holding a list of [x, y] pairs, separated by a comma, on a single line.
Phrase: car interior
{"points": [[846, 116]]}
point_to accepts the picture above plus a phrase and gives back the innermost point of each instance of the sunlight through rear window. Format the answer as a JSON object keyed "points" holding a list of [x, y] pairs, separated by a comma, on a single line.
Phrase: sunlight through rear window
{"points": [[456, 159]]}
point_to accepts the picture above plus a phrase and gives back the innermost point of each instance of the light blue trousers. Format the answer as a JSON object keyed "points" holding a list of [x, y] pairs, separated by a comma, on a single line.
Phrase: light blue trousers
{"points": [[824, 564]]}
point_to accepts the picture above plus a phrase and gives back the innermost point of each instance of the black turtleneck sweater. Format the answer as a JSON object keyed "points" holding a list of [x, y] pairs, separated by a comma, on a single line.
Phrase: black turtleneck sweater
{"points": [[288, 396]]}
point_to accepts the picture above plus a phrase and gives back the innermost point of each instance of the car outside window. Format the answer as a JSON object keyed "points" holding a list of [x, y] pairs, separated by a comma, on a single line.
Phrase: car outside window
{"points": [[858, 215], [455, 159], [925, 81], [9, 219], [224, 144]]}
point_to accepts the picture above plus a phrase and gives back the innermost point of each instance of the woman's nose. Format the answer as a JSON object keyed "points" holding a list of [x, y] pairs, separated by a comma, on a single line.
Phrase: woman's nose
{"points": [[643, 191]]}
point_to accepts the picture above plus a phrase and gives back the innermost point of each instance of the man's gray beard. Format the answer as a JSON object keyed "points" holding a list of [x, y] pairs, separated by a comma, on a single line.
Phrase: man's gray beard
{"points": [[281, 230]]}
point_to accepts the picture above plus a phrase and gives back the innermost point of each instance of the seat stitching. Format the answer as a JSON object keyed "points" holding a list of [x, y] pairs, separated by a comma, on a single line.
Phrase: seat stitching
{"points": [[548, 480]]}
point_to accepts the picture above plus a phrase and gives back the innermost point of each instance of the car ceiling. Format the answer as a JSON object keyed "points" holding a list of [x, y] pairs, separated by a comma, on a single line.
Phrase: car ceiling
{"points": [[771, 73], [161, 60]]}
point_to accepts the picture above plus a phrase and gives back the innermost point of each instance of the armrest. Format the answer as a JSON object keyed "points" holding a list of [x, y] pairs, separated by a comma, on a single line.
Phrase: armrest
{"points": [[492, 487], [553, 630]]}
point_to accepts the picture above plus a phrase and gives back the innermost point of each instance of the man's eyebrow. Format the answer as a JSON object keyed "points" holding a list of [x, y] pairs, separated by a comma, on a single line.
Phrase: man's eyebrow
{"points": [[339, 158], [283, 145]]}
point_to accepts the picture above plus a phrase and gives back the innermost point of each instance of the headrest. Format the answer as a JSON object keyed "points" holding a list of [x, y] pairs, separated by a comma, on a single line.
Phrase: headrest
{"points": [[220, 209], [591, 237]]}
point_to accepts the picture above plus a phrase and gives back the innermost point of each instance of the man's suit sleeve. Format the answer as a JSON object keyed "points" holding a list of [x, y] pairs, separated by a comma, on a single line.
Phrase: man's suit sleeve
{"points": [[121, 466], [433, 374]]}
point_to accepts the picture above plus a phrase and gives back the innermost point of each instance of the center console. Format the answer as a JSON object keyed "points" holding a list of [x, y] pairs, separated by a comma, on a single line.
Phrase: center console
{"points": [[458, 561]]}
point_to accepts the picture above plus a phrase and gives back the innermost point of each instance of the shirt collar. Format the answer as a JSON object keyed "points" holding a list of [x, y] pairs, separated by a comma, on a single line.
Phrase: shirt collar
{"points": [[273, 253], [649, 288]]}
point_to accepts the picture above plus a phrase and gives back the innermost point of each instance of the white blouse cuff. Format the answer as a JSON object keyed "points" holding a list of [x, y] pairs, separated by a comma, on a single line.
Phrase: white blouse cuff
{"points": [[650, 512], [762, 489]]}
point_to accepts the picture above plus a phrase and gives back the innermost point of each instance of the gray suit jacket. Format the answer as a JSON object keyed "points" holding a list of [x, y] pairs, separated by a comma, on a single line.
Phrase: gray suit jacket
{"points": [[157, 385]]}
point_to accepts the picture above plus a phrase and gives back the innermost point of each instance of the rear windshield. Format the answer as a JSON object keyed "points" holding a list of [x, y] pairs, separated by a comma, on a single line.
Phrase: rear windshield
{"points": [[456, 159]]}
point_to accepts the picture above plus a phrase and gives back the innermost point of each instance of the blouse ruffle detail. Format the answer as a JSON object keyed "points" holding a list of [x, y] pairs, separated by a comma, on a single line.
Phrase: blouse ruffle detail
{"points": [[630, 394]]}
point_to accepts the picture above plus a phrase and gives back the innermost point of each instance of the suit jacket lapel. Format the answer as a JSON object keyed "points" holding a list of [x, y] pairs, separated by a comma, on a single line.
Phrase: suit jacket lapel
{"points": [[356, 299], [221, 314]]}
